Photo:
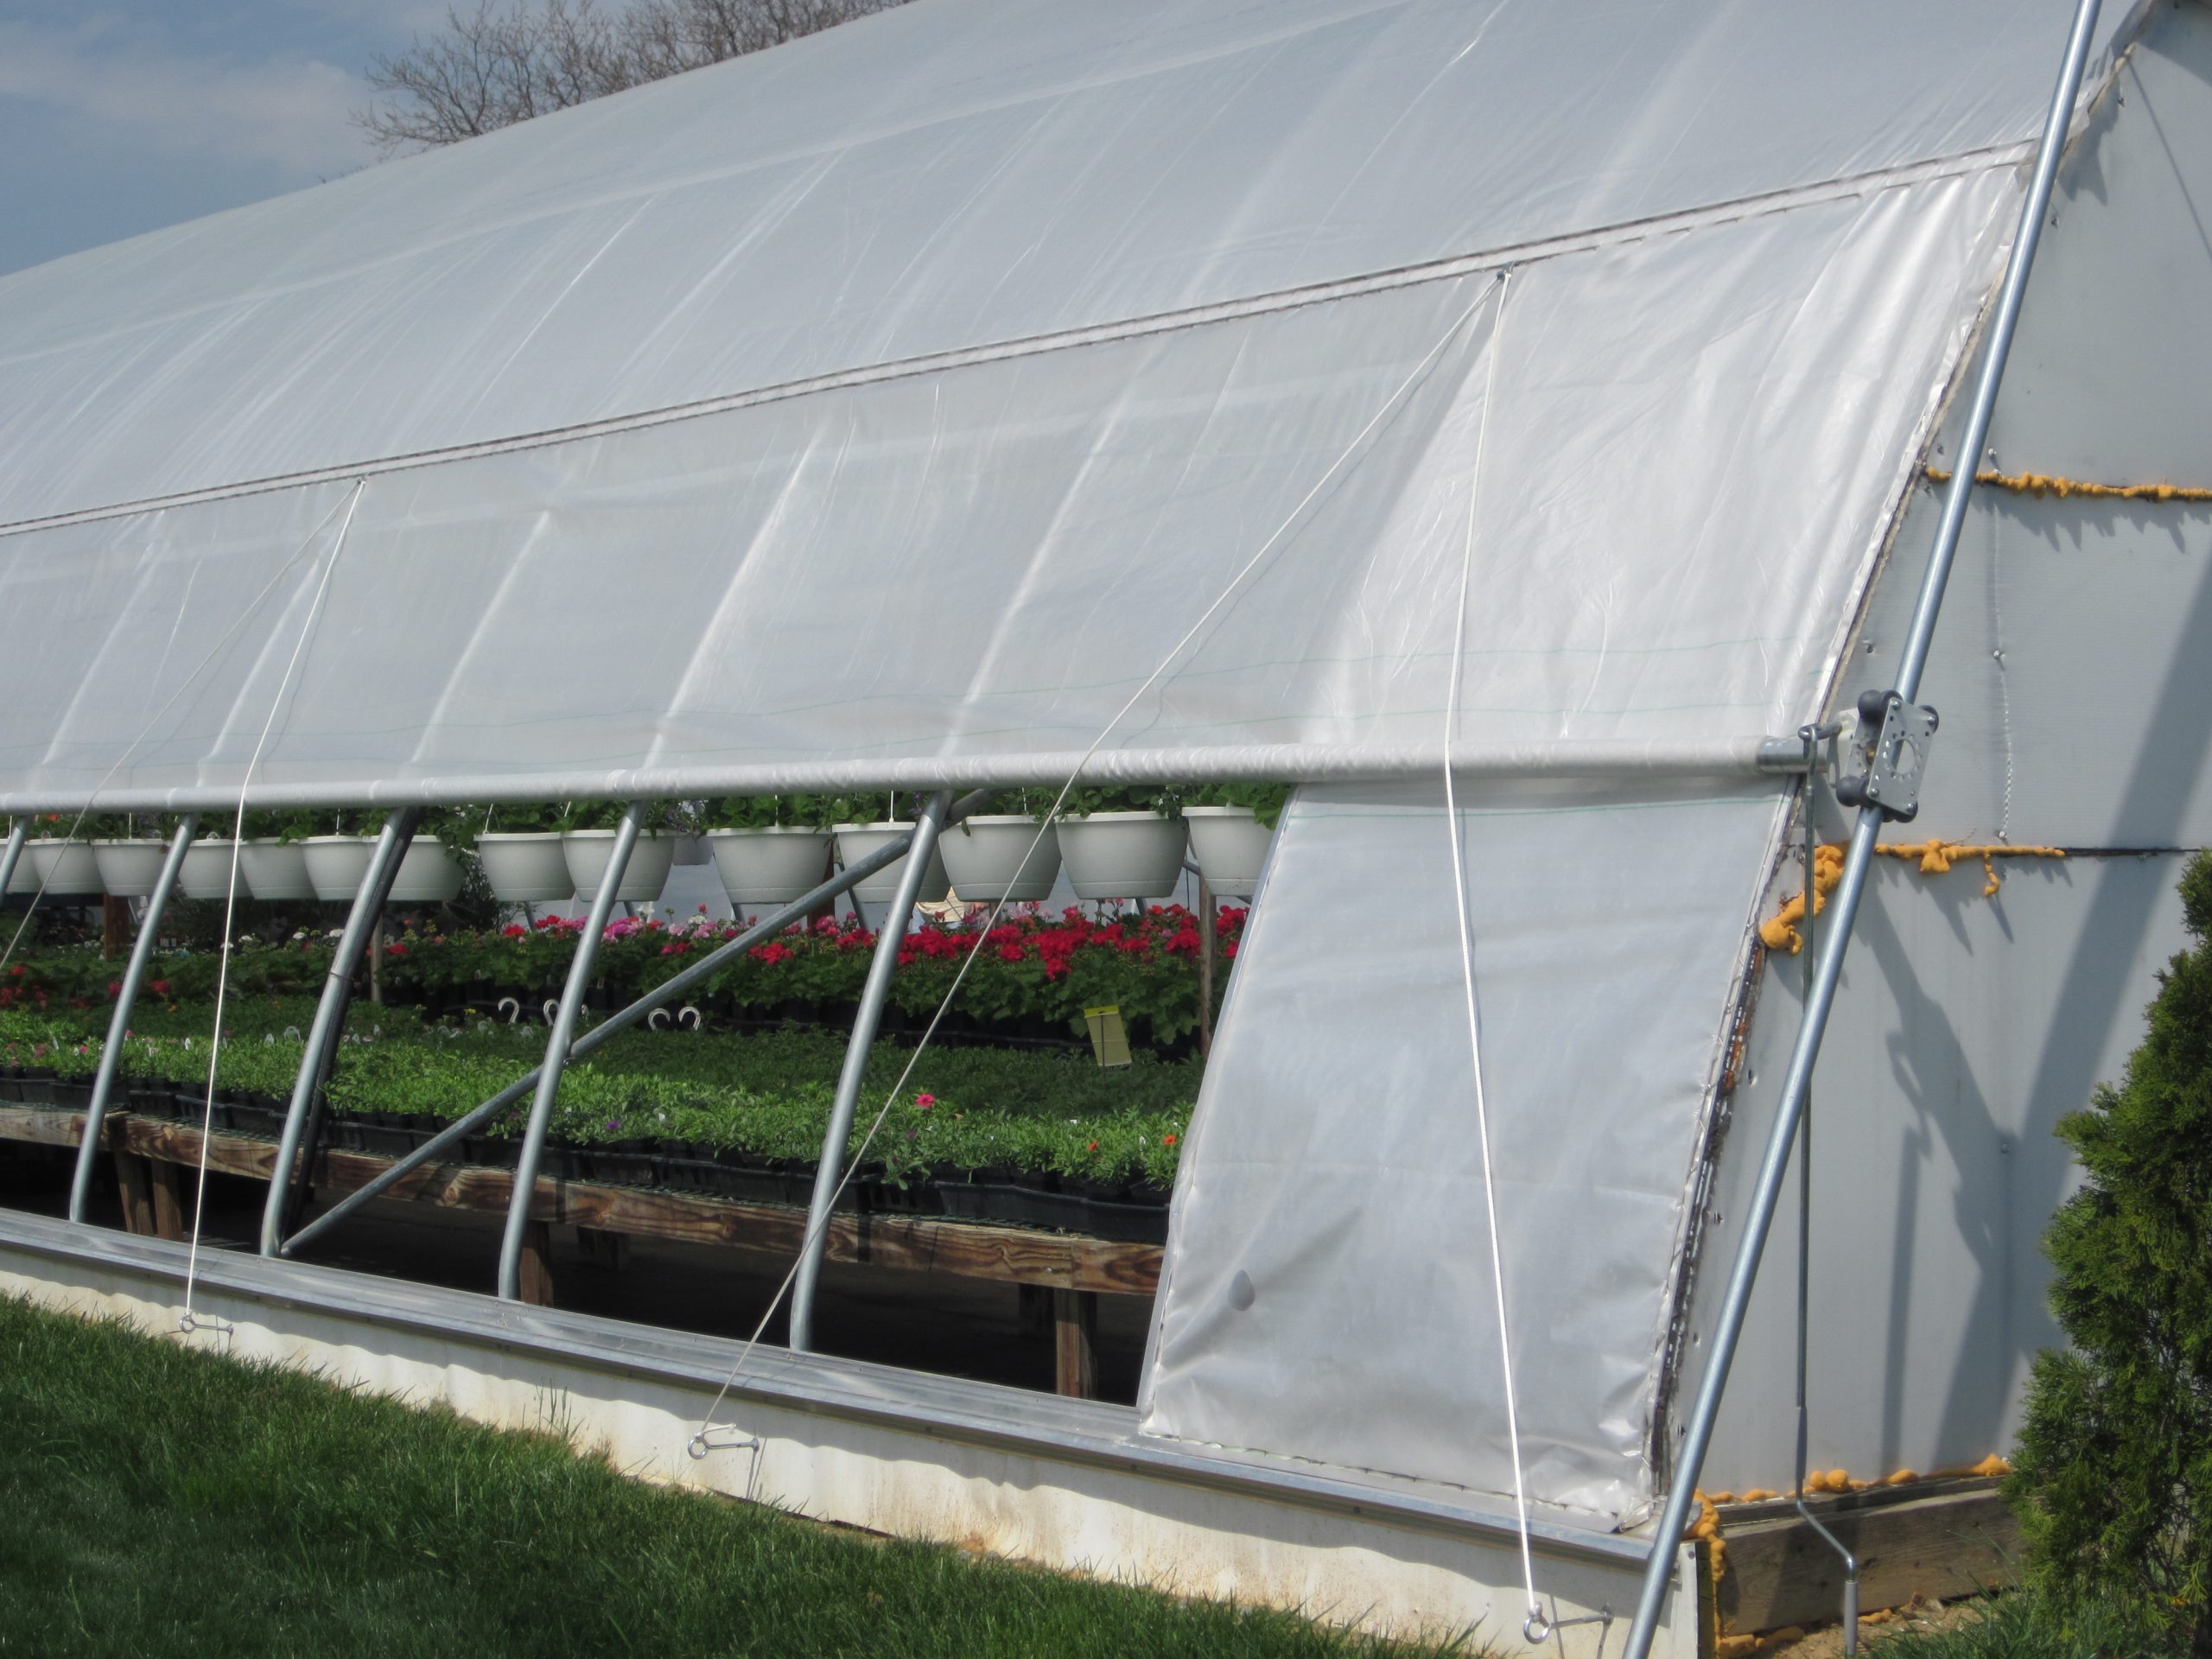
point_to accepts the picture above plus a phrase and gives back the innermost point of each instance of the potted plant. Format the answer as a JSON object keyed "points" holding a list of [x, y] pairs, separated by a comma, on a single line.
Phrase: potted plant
{"points": [[206, 870], [866, 823], [769, 849], [337, 857], [588, 841], [128, 856], [1012, 855], [519, 848], [435, 869], [25, 877], [1232, 825], [272, 860], [62, 856], [1123, 843]]}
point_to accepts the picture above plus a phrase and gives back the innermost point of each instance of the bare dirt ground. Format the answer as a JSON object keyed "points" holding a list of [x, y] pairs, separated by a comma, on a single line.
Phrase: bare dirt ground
{"points": [[1826, 1642]]}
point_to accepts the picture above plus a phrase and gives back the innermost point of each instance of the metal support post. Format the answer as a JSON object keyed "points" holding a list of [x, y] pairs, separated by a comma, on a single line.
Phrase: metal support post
{"points": [[827, 1175], [556, 1053], [330, 1017], [1812, 736], [669, 991], [118, 1025], [1823, 974], [12, 855]]}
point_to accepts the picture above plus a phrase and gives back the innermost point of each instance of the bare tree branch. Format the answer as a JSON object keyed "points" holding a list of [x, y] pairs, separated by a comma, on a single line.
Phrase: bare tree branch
{"points": [[506, 63]]}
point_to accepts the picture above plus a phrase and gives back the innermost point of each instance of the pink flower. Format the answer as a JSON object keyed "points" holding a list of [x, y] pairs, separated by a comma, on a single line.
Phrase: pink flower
{"points": [[925, 1101]]}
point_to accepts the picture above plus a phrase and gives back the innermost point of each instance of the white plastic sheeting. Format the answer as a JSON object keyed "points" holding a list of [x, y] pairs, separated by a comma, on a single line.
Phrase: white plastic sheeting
{"points": [[989, 559], [890, 404], [950, 173], [1330, 1205]]}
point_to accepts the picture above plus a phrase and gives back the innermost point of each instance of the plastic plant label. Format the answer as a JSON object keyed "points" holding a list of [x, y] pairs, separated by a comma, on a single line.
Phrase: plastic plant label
{"points": [[1109, 1038]]}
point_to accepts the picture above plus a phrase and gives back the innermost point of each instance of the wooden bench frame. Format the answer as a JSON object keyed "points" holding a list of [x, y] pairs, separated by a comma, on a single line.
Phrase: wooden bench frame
{"points": [[151, 1155]]}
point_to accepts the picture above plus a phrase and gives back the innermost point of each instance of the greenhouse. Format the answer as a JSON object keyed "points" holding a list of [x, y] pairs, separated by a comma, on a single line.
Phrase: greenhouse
{"points": [[1192, 656]]}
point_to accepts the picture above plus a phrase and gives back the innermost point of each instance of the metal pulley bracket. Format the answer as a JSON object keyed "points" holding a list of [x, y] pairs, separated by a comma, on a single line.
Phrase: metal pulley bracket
{"points": [[1898, 758]]}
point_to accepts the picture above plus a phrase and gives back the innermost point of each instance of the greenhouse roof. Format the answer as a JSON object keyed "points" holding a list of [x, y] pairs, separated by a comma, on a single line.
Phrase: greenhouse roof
{"points": [[896, 400]]}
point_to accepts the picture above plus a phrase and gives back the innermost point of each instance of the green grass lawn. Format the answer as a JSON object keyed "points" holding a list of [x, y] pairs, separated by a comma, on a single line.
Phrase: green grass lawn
{"points": [[2016, 1626], [159, 1501]]}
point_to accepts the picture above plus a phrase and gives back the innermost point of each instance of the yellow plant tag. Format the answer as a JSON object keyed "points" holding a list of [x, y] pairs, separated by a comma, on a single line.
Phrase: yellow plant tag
{"points": [[1109, 1038]]}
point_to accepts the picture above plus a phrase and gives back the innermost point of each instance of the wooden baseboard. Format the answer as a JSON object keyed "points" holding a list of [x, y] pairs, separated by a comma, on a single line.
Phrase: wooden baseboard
{"points": [[1934, 1540]]}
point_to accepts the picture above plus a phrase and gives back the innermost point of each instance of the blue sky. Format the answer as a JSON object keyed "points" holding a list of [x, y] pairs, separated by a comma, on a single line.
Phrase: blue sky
{"points": [[120, 116]]}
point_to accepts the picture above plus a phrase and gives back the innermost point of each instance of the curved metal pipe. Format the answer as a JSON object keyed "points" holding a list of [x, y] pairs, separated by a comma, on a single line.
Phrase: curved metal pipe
{"points": [[391, 846], [827, 1174], [118, 1025], [556, 1053]]}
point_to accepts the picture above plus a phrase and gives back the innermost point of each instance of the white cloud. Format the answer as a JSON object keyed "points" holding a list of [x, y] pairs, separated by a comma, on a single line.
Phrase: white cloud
{"points": [[292, 112]]}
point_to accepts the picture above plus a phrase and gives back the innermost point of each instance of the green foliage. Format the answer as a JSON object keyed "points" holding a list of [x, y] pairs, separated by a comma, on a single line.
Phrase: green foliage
{"points": [[661, 818], [773, 811], [294, 824], [159, 1499], [515, 818], [1166, 799], [2016, 1626], [1030, 968], [1264, 801], [768, 1093], [2113, 1476], [88, 826]]}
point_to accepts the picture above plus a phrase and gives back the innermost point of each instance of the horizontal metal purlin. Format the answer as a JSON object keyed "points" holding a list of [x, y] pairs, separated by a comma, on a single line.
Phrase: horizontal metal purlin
{"points": [[1306, 763]]}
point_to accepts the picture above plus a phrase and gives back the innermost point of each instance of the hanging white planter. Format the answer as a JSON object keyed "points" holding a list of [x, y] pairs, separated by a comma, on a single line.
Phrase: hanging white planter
{"points": [[771, 865], [25, 877], [857, 841], [588, 850], [1229, 845], [428, 875], [275, 869], [1123, 854], [128, 868], [336, 865], [989, 857], [65, 869], [206, 872], [524, 868]]}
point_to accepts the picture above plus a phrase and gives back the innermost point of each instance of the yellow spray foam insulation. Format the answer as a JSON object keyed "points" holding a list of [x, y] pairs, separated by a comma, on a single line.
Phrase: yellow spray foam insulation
{"points": [[1779, 932], [2044, 484], [1707, 1527], [1840, 1480]]}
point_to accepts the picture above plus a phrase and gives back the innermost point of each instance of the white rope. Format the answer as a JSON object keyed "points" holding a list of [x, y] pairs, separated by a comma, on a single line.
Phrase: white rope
{"points": [[1467, 964], [245, 612], [186, 1322], [699, 1442]]}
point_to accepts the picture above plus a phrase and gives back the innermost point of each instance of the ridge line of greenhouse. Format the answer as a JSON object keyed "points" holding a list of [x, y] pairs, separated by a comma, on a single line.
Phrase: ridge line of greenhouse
{"points": [[1298, 297]]}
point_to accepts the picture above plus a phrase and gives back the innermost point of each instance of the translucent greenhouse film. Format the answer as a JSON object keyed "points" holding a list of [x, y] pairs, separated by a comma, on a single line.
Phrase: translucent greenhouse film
{"points": [[988, 384]]}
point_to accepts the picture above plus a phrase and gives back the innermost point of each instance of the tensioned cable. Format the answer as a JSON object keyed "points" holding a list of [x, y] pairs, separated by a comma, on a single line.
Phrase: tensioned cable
{"points": [[231, 897], [699, 1444], [245, 612], [1467, 966]]}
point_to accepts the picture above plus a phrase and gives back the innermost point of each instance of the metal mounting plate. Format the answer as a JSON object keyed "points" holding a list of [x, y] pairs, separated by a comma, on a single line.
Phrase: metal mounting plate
{"points": [[1900, 756]]}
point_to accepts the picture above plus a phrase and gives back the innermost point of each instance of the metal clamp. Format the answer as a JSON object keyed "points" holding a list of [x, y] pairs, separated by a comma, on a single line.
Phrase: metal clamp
{"points": [[1895, 760]]}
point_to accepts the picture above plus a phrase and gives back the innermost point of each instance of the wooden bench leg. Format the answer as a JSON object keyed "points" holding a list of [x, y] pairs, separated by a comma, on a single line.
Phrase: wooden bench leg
{"points": [[604, 1249], [167, 1180], [136, 1183], [1032, 1309], [538, 1264], [1075, 1347]]}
